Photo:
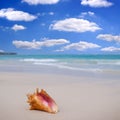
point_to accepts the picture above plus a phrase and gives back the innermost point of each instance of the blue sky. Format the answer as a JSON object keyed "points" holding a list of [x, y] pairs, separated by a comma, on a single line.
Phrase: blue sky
{"points": [[60, 26]]}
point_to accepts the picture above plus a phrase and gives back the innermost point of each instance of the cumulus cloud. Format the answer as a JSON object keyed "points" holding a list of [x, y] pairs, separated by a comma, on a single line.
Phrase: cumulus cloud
{"points": [[38, 44], [75, 25], [18, 27], [14, 15], [80, 46], [96, 3], [110, 49], [36, 2], [109, 37]]}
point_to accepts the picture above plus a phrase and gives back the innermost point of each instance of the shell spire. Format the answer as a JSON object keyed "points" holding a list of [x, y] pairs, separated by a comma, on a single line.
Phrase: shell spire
{"points": [[40, 100]]}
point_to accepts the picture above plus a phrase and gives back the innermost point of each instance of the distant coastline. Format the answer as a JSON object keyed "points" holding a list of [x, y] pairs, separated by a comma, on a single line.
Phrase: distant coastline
{"points": [[8, 53]]}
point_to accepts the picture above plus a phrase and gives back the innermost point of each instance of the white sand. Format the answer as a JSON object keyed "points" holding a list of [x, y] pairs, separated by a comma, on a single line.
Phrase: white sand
{"points": [[78, 98]]}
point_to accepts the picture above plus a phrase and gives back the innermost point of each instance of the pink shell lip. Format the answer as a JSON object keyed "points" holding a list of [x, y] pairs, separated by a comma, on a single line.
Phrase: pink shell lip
{"points": [[42, 101]]}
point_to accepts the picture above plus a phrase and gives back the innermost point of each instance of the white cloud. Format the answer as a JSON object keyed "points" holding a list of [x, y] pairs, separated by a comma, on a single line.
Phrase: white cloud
{"points": [[1, 51], [38, 44], [75, 25], [89, 13], [18, 27], [51, 13], [42, 24], [96, 3], [26, 44], [14, 15], [80, 46], [109, 37], [43, 14], [110, 49], [36, 2], [52, 42]]}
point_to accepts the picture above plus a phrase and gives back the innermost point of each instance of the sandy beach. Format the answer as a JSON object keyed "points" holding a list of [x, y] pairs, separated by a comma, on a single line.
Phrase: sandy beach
{"points": [[78, 98], [68, 49]]}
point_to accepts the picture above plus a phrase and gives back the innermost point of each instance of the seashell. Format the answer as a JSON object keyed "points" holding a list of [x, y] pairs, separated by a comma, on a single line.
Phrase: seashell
{"points": [[42, 101]]}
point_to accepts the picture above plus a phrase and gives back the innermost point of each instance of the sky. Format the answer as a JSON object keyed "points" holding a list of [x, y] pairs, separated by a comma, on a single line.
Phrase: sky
{"points": [[60, 26]]}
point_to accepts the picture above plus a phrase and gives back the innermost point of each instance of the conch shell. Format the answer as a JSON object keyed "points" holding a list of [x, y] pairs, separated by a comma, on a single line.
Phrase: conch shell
{"points": [[42, 101]]}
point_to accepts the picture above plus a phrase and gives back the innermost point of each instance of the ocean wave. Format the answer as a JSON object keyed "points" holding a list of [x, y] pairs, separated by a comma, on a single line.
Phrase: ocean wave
{"points": [[38, 60], [62, 66], [76, 64], [108, 62]]}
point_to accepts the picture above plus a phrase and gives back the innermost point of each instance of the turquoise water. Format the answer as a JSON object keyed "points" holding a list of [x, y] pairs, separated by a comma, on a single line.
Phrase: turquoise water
{"points": [[87, 57], [68, 62]]}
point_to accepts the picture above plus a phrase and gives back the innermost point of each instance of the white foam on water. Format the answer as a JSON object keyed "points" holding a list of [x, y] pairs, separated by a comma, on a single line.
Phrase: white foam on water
{"points": [[39, 60], [93, 65], [62, 66]]}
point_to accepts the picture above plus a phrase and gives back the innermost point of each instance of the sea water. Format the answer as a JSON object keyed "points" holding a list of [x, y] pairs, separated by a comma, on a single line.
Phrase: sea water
{"points": [[95, 63]]}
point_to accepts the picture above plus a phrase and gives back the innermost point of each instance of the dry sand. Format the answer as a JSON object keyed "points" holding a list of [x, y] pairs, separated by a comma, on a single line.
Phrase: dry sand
{"points": [[78, 98]]}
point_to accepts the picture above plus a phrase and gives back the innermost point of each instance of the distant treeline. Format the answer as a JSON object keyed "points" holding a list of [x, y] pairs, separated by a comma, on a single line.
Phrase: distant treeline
{"points": [[8, 53]]}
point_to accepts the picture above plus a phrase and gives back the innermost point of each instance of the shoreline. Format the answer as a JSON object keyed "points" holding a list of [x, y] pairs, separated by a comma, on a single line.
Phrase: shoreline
{"points": [[85, 97], [42, 69]]}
